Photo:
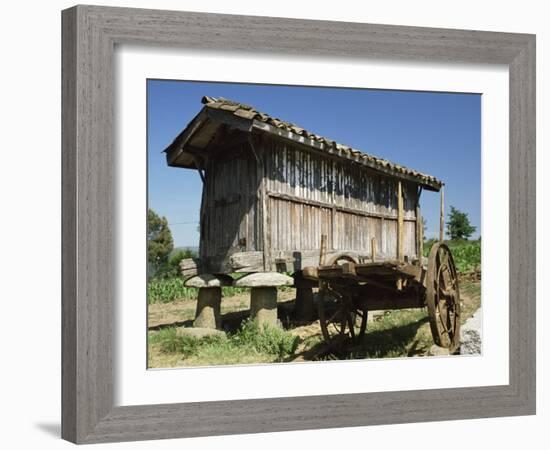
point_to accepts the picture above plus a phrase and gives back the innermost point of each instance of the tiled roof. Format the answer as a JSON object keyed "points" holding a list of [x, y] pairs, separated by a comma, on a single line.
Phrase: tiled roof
{"points": [[248, 112]]}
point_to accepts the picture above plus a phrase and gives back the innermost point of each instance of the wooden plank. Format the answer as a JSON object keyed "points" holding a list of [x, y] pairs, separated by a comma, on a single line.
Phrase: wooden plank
{"points": [[419, 228], [190, 267], [348, 270], [323, 250], [310, 273], [400, 243], [305, 201], [247, 261], [261, 157]]}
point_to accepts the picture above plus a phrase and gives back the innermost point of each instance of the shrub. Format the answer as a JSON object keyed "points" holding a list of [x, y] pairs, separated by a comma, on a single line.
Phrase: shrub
{"points": [[172, 342], [250, 340], [266, 339]]}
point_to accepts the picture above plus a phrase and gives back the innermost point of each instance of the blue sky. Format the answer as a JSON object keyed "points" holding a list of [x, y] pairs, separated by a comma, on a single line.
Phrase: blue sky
{"points": [[435, 133]]}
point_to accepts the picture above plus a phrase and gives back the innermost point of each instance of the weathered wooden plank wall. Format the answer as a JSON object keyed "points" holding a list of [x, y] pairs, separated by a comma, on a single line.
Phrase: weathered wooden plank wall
{"points": [[308, 195], [230, 219], [312, 194]]}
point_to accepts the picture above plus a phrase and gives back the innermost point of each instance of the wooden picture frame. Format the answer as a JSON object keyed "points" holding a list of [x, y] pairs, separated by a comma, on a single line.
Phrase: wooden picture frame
{"points": [[90, 34]]}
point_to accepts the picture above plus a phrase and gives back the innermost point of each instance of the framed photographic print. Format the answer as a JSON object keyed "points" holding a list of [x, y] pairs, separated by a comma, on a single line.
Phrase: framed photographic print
{"points": [[321, 224]]}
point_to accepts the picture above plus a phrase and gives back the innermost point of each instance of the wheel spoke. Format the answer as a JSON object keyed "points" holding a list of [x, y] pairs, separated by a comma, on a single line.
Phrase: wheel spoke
{"points": [[333, 316], [442, 296]]}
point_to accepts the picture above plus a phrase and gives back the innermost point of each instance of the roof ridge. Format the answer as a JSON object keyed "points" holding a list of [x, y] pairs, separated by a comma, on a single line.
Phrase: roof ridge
{"points": [[249, 112]]}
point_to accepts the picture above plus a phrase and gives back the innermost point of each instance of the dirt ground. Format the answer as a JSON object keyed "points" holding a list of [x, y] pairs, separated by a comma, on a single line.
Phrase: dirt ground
{"points": [[389, 334]]}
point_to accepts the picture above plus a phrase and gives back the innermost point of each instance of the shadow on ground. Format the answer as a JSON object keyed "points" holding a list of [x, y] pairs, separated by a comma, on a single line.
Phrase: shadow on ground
{"points": [[375, 344]]}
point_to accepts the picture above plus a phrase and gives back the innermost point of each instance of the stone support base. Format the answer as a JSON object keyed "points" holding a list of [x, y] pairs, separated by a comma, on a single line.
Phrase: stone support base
{"points": [[208, 313]]}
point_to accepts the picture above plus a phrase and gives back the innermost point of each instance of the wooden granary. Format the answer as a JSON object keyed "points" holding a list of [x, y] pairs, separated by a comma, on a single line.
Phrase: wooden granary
{"points": [[277, 198], [272, 189]]}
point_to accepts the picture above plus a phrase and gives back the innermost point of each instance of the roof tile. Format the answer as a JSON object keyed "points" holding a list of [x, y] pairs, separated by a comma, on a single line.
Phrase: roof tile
{"points": [[248, 112]]}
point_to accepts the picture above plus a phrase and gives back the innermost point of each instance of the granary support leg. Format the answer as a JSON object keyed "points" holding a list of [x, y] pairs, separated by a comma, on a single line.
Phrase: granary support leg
{"points": [[263, 305], [208, 312], [263, 295]]}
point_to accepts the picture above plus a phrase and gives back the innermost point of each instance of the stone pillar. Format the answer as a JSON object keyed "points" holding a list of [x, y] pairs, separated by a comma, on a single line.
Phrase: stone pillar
{"points": [[208, 313], [263, 295], [263, 305]]}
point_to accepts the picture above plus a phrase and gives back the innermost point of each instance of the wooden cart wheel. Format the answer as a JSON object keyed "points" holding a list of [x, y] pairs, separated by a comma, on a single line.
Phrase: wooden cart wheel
{"points": [[443, 297], [339, 317]]}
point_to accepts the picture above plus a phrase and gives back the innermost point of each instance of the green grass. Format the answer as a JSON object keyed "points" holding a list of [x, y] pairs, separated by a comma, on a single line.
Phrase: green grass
{"points": [[466, 254], [396, 334], [250, 344]]}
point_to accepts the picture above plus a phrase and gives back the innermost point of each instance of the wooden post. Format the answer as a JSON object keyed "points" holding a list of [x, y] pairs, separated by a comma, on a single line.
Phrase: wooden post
{"points": [[323, 250], [333, 226], [373, 248], [400, 252], [420, 236], [419, 229], [441, 215], [260, 159]]}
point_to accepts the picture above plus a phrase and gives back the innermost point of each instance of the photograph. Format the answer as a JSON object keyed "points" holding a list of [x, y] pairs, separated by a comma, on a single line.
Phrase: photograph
{"points": [[298, 223]]}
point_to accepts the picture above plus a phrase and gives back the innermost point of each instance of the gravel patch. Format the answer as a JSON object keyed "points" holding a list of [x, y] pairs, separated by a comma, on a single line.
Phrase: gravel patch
{"points": [[470, 335]]}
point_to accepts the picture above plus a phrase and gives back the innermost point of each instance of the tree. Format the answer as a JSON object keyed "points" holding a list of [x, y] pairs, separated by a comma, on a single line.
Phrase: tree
{"points": [[458, 226], [159, 241]]}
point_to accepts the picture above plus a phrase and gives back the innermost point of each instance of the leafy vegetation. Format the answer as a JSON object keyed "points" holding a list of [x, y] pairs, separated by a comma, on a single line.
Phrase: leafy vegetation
{"points": [[171, 266], [466, 254], [159, 241], [251, 343], [164, 290], [458, 225]]}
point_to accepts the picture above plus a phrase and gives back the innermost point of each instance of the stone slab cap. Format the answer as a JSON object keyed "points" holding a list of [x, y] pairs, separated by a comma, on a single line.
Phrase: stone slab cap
{"points": [[265, 279], [209, 280]]}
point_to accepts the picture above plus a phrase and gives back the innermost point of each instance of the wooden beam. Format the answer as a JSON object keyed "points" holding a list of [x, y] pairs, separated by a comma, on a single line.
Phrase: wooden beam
{"points": [[323, 250], [400, 246], [266, 244], [441, 215], [419, 228], [190, 267], [246, 261], [311, 273], [358, 212], [373, 249]]}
